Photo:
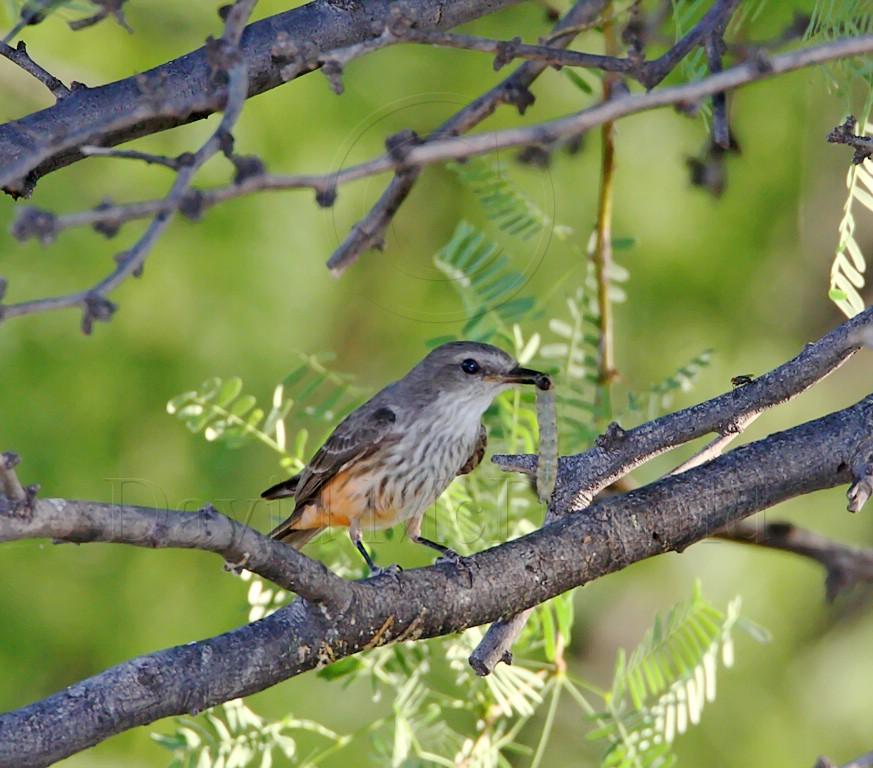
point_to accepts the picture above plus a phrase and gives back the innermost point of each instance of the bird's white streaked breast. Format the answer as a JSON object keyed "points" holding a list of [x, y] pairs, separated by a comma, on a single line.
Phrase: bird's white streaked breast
{"points": [[422, 464]]}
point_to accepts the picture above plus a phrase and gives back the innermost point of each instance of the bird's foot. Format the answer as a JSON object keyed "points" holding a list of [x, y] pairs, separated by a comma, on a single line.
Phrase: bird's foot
{"points": [[449, 556], [389, 570], [459, 561]]}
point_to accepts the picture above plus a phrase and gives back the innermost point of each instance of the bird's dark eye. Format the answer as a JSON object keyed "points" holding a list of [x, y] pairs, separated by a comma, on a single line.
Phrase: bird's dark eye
{"points": [[470, 366]]}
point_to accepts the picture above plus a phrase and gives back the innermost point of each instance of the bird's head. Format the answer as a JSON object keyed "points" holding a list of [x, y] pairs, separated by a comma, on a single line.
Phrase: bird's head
{"points": [[470, 371]]}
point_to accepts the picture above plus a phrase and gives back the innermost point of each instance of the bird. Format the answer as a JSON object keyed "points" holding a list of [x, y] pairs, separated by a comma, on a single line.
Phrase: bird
{"points": [[390, 459]]}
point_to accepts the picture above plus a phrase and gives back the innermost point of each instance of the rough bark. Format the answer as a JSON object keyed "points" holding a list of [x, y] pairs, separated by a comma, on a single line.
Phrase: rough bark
{"points": [[182, 90], [666, 516]]}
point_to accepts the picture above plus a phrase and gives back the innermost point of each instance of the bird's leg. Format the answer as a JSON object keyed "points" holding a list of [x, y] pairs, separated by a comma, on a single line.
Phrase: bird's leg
{"points": [[447, 553], [413, 530], [375, 570]]}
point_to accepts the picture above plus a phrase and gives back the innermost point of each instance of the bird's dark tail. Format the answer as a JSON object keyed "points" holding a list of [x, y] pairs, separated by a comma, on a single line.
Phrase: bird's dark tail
{"points": [[286, 531], [292, 536], [282, 490]]}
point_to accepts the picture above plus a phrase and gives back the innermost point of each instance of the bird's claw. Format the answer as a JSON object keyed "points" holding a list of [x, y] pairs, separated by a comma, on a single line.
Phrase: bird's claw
{"points": [[459, 561], [449, 556], [389, 570]]}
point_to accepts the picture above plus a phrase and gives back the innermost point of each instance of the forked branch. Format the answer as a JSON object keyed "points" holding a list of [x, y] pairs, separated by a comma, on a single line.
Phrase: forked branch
{"points": [[344, 618]]}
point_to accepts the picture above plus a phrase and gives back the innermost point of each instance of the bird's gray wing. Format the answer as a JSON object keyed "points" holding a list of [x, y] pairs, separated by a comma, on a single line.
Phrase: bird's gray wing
{"points": [[478, 452], [361, 433]]}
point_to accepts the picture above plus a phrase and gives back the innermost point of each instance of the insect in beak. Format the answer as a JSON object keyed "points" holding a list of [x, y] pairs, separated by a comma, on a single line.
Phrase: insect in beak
{"points": [[519, 375]]}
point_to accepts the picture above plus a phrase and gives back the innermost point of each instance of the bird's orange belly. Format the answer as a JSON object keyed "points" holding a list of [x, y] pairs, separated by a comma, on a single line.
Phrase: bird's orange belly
{"points": [[347, 499]]}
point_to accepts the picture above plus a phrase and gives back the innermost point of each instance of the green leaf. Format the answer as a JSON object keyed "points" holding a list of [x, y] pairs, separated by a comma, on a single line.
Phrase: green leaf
{"points": [[228, 391], [174, 404], [564, 614], [548, 624], [342, 668], [662, 687], [486, 283], [580, 82], [242, 406]]}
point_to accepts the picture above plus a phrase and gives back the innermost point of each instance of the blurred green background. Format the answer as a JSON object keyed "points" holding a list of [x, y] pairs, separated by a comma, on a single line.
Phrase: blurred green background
{"points": [[240, 291]]}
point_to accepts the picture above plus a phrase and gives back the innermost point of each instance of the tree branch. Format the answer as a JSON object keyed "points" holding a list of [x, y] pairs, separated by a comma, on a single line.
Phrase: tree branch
{"points": [[181, 90], [370, 231], [79, 522], [717, 16], [408, 160], [718, 445], [173, 163], [225, 60], [10, 486], [668, 515], [618, 452], [21, 57], [844, 566]]}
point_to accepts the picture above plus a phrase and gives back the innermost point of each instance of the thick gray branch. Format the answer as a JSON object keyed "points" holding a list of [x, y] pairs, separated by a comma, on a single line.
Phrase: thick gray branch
{"points": [[668, 515], [618, 452], [182, 90], [66, 520]]}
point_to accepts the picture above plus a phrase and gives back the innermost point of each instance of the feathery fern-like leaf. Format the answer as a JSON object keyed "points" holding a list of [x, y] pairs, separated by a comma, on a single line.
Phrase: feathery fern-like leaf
{"points": [[503, 203], [486, 282], [659, 397], [221, 412], [661, 689], [233, 736], [835, 19], [849, 265]]}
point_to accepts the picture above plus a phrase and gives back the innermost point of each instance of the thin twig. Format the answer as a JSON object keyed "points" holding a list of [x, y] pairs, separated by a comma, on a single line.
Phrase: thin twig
{"points": [[93, 301], [602, 253], [508, 50], [658, 69], [369, 232], [35, 222], [108, 8], [9, 483], [729, 433], [31, 13], [862, 472], [845, 134], [21, 57], [721, 132], [174, 163]]}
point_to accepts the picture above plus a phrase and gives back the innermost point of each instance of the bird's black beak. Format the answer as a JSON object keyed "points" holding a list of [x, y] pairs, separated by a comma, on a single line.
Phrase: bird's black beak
{"points": [[519, 375]]}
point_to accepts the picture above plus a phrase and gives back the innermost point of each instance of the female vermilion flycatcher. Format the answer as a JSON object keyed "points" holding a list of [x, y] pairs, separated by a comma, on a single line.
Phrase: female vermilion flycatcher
{"points": [[390, 459]]}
